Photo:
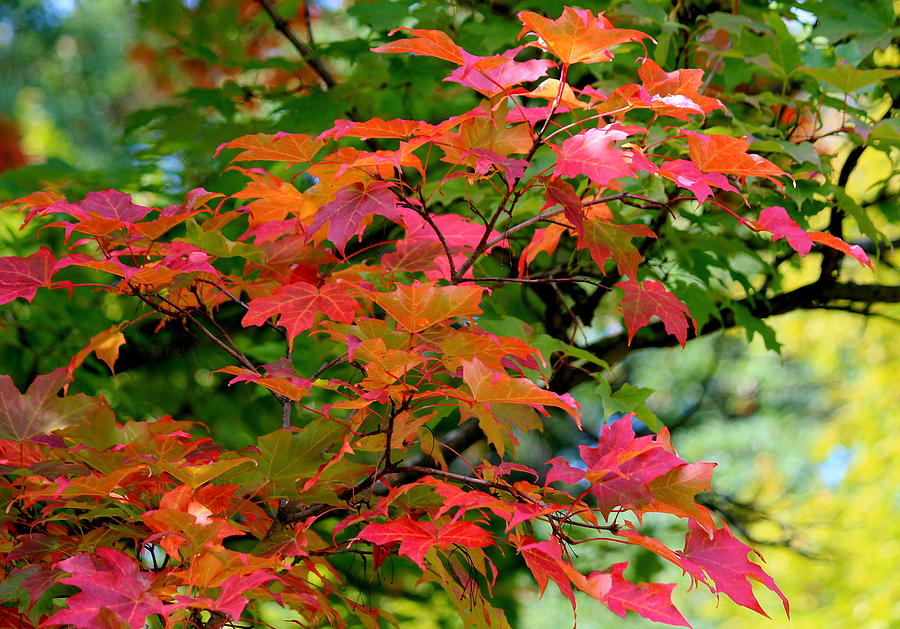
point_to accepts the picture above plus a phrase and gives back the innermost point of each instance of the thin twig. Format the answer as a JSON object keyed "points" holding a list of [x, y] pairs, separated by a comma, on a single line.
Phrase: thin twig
{"points": [[540, 280], [282, 26], [337, 360]]}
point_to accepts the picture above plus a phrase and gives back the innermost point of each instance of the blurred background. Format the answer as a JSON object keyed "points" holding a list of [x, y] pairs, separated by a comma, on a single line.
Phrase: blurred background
{"points": [[800, 411]]}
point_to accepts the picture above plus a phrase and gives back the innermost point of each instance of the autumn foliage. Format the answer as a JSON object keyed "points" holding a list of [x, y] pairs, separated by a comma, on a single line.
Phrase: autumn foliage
{"points": [[345, 241]]}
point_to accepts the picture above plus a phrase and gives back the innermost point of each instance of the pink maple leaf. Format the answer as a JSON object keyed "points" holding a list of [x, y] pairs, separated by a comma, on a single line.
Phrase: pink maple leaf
{"points": [[723, 558], [651, 600], [109, 580], [593, 153], [775, 219], [350, 206], [21, 277], [686, 174]]}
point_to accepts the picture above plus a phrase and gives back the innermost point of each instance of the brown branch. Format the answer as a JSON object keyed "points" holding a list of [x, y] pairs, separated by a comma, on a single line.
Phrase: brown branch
{"points": [[282, 26], [810, 297], [537, 280]]}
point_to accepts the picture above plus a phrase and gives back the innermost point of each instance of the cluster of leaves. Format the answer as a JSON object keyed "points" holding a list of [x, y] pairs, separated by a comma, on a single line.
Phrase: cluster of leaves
{"points": [[385, 257]]}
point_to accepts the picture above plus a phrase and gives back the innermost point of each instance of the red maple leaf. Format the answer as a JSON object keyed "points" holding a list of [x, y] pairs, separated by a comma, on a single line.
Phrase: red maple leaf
{"points": [[109, 580], [723, 558], [593, 153], [646, 299], [686, 174], [375, 128], [650, 600], [675, 491], [297, 305], [231, 600], [577, 36], [545, 561], [417, 538], [641, 474], [674, 92], [21, 277], [350, 206], [492, 387], [422, 250]]}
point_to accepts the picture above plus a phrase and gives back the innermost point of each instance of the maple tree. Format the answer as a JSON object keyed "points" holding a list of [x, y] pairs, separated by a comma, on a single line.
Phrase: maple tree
{"points": [[385, 259]]}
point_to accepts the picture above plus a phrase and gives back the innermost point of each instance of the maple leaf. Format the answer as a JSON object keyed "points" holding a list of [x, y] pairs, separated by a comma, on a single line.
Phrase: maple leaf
{"points": [[422, 250], [105, 344], [577, 36], [287, 456], [553, 89], [350, 206], [494, 75], [297, 305], [723, 558], [650, 600], [485, 133], [675, 491], [775, 219], [544, 239], [646, 299], [280, 147], [725, 154], [683, 83], [628, 472], [21, 277], [190, 516], [172, 215], [101, 213], [593, 153], [559, 192], [279, 377], [275, 199], [417, 538], [496, 352], [231, 600], [674, 94], [375, 128], [605, 240], [492, 387], [836, 243], [40, 411], [426, 42], [545, 561], [109, 580], [686, 174], [422, 304]]}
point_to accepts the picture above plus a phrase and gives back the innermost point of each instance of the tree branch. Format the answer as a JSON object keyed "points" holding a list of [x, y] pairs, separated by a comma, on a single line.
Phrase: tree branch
{"points": [[282, 26], [812, 296]]}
